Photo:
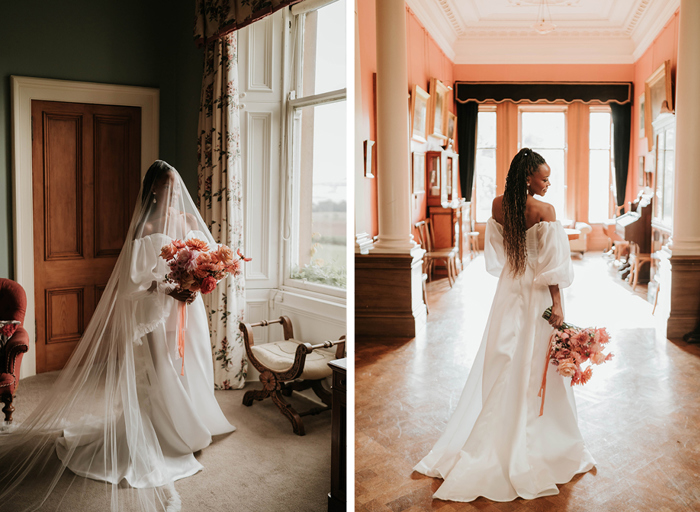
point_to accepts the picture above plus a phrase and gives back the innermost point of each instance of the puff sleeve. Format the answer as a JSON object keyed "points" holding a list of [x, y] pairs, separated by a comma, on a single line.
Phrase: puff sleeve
{"points": [[553, 264], [494, 250], [144, 288]]}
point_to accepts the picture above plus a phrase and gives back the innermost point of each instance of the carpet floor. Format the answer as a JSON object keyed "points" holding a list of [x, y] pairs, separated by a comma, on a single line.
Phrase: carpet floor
{"points": [[262, 466]]}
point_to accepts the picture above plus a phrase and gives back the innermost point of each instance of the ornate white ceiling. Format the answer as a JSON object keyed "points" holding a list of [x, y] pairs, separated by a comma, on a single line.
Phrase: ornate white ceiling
{"points": [[500, 31]]}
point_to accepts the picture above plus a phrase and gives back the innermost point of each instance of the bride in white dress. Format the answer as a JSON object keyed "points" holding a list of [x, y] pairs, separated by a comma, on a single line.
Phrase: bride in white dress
{"points": [[496, 444], [126, 409]]}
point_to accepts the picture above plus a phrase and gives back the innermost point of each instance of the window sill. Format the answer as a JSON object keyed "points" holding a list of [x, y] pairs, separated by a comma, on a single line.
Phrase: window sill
{"points": [[317, 292]]}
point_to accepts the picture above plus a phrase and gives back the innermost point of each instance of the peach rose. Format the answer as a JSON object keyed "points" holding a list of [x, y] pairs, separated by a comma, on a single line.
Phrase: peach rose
{"points": [[224, 255], [208, 285], [204, 257], [566, 368], [197, 244], [168, 252]]}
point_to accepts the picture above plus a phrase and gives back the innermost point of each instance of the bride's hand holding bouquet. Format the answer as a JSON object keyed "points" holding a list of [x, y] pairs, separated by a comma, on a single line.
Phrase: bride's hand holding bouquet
{"points": [[195, 268]]}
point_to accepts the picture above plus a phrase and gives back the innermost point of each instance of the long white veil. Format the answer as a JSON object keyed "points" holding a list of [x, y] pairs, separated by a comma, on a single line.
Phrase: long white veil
{"points": [[101, 413]]}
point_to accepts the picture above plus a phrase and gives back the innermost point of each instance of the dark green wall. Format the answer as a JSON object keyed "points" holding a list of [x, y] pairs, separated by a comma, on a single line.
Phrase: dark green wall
{"points": [[129, 42]]}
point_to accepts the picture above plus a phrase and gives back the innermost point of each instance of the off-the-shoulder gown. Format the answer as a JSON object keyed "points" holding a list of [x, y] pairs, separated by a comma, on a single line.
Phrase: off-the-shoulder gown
{"points": [[496, 445]]}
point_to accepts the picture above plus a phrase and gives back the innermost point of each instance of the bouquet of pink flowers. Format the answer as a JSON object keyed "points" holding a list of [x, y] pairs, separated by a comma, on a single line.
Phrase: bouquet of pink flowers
{"points": [[570, 347], [194, 267]]}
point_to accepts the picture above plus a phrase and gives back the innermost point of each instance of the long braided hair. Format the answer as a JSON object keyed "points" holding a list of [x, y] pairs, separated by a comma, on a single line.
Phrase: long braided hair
{"points": [[524, 165]]}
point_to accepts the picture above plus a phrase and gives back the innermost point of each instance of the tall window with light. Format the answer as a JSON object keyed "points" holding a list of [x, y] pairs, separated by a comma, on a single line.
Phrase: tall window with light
{"points": [[600, 167], [544, 131], [315, 229], [485, 189]]}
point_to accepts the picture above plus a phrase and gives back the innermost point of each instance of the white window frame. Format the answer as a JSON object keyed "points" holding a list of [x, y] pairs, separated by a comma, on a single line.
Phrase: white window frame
{"points": [[611, 168], [535, 107], [494, 109], [292, 190]]}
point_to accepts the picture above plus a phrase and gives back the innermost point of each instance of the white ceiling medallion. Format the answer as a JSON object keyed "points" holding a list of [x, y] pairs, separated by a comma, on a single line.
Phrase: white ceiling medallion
{"points": [[543, 23]]}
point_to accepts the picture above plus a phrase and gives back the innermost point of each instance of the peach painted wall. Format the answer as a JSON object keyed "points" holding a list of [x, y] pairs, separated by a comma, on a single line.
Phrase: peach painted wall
{"points": [[425, 60], [664, 47], [367, 22]]}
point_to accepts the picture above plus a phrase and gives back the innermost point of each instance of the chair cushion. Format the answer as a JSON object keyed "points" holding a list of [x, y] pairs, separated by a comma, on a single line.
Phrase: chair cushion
{"points": [[279, 356]]}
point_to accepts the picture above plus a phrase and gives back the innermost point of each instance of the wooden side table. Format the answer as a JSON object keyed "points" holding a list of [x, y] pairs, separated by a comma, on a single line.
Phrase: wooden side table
{"points": [[337, 499]]}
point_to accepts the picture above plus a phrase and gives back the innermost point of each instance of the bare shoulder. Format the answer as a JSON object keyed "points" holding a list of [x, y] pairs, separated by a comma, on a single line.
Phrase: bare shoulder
{"points": [[147, 229], [191, 221], [547, 212], [497, 209]]}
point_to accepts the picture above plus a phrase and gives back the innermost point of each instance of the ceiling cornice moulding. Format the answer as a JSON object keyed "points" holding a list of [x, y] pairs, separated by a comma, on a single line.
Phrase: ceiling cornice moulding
{"points": [[437, 24], [611, 41]]}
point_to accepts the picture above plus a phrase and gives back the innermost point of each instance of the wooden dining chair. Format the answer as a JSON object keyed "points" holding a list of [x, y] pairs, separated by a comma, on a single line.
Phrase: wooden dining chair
{"points": [[636, 260], [448, 254]]}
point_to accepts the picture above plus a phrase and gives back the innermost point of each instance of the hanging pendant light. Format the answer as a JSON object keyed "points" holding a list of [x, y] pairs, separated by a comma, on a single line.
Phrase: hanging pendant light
{"points": [[543, 24]]}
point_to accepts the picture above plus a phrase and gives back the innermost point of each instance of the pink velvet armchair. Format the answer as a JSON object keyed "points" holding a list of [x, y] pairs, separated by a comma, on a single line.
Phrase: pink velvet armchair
{"points": [[13, 305]]}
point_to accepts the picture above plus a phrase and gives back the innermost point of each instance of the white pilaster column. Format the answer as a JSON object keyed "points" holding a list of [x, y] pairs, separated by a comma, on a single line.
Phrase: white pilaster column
{"points": [[686, 207], [393, 169]]}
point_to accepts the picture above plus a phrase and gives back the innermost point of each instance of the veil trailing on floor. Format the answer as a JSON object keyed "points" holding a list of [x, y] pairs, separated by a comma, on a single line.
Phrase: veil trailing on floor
{"points": [[95, 437]]}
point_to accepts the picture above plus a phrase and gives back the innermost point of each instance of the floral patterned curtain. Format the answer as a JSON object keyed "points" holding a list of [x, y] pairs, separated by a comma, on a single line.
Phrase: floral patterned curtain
{"points": [[216, 18], [220, 202]]}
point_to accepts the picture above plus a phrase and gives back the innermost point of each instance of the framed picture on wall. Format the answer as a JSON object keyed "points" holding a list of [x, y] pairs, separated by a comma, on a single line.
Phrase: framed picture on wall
{"points": [[419, 114], [437, 115], [368, 145], [658, 94], [641, 116], [418, 172], [451, 125]]}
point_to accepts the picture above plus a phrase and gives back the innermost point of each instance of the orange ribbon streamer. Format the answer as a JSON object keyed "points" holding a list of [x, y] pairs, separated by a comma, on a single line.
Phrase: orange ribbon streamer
{"points": [[543, 386], [181, 327]]}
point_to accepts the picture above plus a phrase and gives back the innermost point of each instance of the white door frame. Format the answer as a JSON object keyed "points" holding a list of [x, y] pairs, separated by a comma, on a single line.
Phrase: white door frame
{"points": [[24, 90]]}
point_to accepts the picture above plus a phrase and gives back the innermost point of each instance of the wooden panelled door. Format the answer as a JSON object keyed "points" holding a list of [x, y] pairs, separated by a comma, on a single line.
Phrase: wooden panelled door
{"points": [[85, 164]]}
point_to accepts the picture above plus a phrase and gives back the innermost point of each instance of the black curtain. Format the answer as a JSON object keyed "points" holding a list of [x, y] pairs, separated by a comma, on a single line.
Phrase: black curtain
{"points": [[622, 119], [466, 143]]}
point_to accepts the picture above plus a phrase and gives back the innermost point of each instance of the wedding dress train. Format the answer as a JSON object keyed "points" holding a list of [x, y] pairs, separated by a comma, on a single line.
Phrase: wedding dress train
{"points": [[126, 409], [496, 445]]}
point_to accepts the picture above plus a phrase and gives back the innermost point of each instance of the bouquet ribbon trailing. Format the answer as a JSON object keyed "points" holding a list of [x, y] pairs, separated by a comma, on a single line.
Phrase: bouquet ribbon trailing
{"points": [[181, 328]]}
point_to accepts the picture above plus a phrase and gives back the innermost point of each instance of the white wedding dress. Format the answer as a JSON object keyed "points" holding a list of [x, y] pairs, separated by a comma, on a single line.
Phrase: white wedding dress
{"points": [[181, 409], [122, 412], [496, 445]]}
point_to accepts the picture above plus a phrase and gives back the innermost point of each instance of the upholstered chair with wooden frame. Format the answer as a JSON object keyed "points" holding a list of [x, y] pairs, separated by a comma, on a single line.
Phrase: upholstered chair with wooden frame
{"points": [[290, 365], [448, 254], [13, 305]]}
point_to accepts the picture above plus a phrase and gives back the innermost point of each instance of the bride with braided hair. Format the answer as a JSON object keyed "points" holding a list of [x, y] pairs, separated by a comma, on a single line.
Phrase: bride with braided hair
{"points": [[496, 444]]}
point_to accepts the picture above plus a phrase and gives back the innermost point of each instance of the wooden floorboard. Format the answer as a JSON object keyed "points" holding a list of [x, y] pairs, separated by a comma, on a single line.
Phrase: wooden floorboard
{"points": [[639, 414]]}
